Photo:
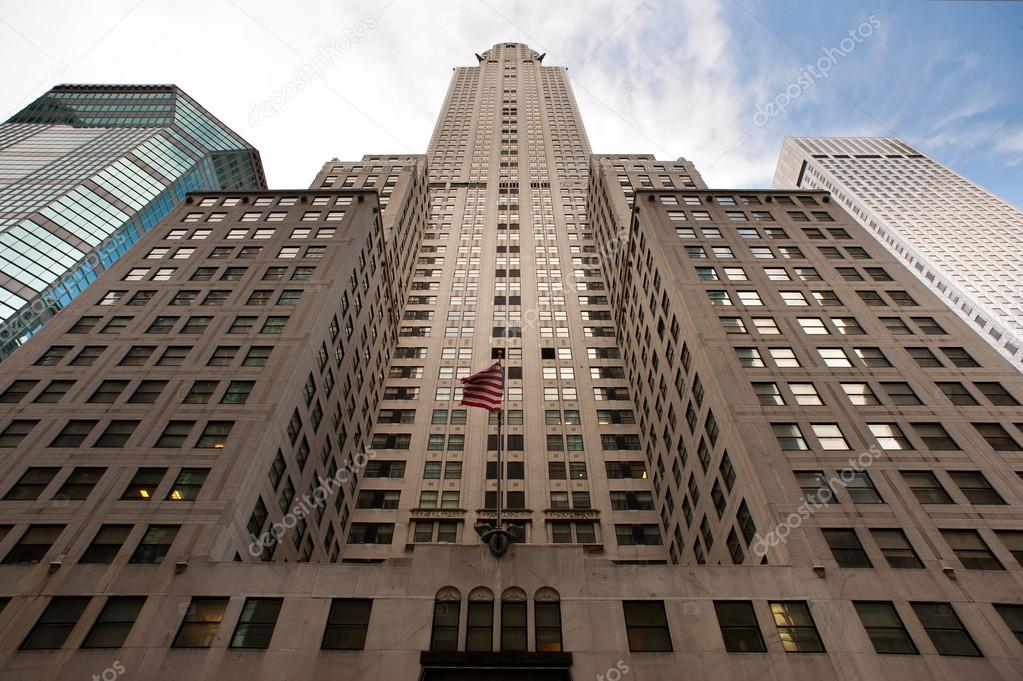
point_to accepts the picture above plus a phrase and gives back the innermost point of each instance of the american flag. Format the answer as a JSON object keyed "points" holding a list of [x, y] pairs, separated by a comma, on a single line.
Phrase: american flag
{"points": [[484, 389]]}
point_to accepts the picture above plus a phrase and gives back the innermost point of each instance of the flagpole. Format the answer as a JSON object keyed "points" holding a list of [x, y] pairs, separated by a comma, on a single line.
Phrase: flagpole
{"points": [[500, 471]]}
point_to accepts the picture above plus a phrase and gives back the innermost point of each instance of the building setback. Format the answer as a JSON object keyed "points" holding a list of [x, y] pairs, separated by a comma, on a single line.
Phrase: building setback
{"points": [[742, 438], [85, 170], [962, 241]]}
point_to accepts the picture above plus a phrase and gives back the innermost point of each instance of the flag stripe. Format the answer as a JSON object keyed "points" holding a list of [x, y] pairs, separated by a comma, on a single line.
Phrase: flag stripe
{"points": [[484, 389]]}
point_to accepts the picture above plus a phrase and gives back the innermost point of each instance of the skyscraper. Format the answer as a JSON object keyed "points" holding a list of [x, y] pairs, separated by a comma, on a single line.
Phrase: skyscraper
{"points": [[85, 170], [241, 451], [962, 241]]}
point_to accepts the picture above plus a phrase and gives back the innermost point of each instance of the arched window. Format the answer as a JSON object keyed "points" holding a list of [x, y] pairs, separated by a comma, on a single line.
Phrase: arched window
{"points": [[547, 616], [446, 609], [479, 630], [514, 619]]}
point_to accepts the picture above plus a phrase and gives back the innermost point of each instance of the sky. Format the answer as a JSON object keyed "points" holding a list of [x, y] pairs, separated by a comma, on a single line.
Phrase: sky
{"points": [[719, 82]]}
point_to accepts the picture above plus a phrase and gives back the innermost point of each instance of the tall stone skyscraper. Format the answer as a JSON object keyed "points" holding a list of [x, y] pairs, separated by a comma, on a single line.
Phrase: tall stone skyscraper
{"points": [[742, 439], [962, 241], [85, 170]]}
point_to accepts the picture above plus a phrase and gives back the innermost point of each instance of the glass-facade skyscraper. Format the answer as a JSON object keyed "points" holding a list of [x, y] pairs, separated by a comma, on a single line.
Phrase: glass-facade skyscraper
{"points": [[85, 170]]}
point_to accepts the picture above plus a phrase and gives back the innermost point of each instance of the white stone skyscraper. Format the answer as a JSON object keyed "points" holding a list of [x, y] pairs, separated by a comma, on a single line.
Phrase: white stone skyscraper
{"points": [[962, 241]]}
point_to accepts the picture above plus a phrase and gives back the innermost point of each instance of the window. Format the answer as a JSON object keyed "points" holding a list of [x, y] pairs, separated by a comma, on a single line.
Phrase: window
{"points": [[806, 394], [971, 550], [766, 326], [749, 358], [137, 355], [813, 326], [33, 545], [860, 487], [846, 548], [80, 483], [256, 623], [860, 394], [106, 544], [830, 436], [784, 357], [147, 392], [768, 394], [997, 394], [960, 358], [796, 627], [997, 437], [233, 273], [547, 614], [928, 325], [53, 391], [257, 356], [371, 533], [56, 623], [889, 436], [975, 487], [925, 487], [31, 484], [1013, 540], [896, 548], [934, 436], [896, 326], [638, 535], [901, 393], [173, 356], [155, 544], [274, 325], [789, 436], [53, 355], [884, 627], [872, 357], [114, 622], [834, 357], [479, 626], [174, 434], [514, 624], [73, 433], [201, 623], [214, 435], [117, 433], [1013, 616], [144, 483], [444, 632], [739, 627], [647, 626], [223, 355], [957, 393], [188, 483], [16, 431], [108, 391], [733, 325], [946, 632], [793, 298], [815, 487], [237, 392]]}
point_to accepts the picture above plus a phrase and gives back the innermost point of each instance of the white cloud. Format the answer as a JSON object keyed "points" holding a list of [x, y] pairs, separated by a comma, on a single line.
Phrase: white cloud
{"points": [[654, 76], [659, 79]]}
